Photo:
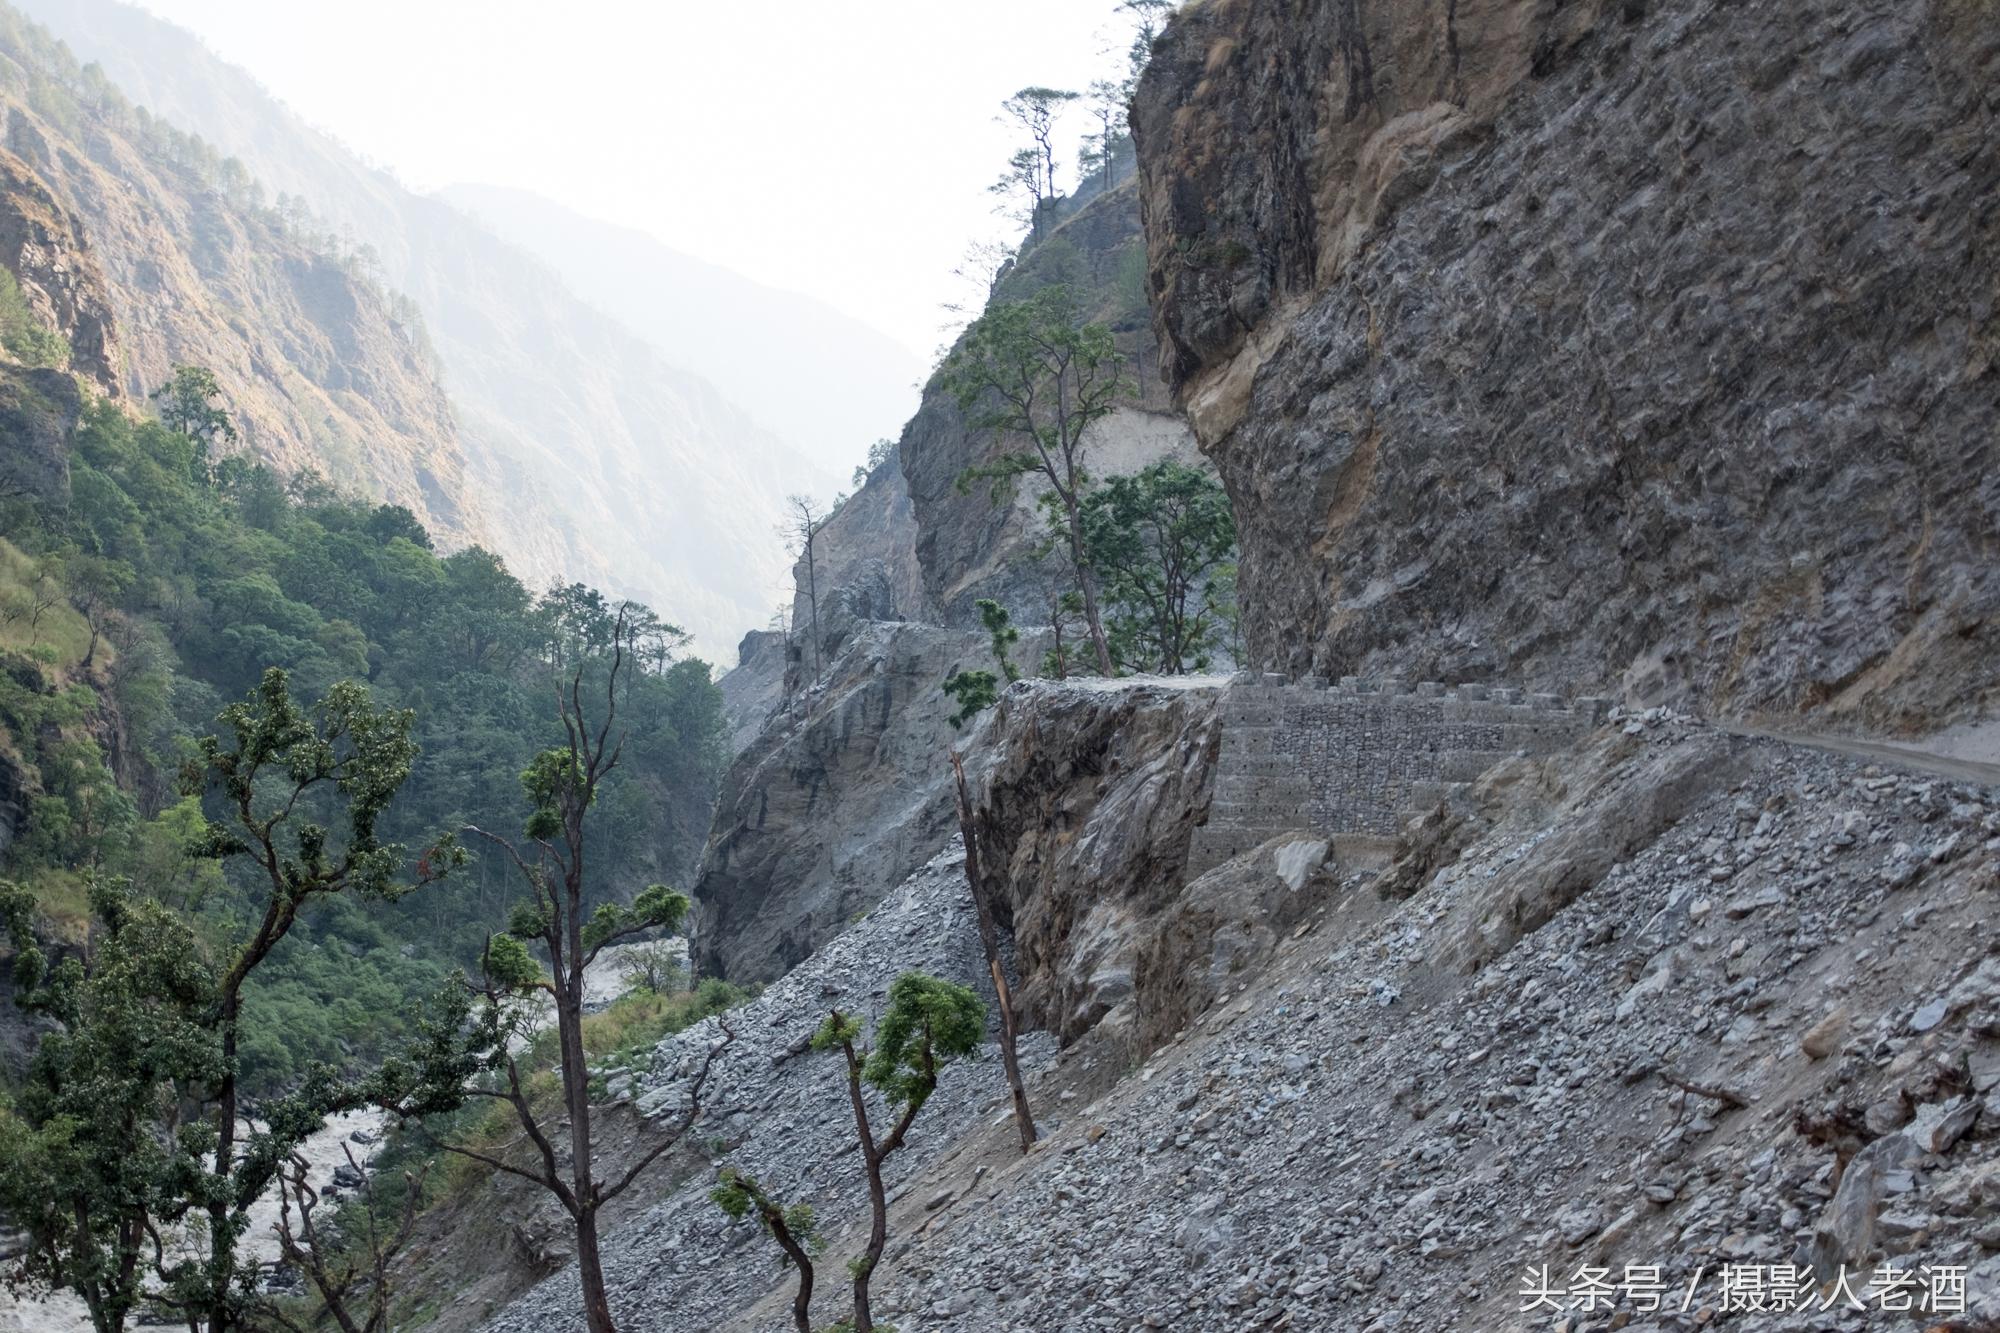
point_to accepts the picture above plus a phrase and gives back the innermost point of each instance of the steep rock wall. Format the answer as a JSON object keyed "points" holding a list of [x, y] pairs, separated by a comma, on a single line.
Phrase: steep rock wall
{"points": [[969, 547], [845, 793], [45, 248], [317, 369], [1635, 344], [864, 568], [1086, 801]]}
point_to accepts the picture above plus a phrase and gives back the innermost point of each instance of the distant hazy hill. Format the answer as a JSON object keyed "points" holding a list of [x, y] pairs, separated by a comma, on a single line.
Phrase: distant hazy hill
{"points": [[827, 383], [589, 453], [321, 368]]}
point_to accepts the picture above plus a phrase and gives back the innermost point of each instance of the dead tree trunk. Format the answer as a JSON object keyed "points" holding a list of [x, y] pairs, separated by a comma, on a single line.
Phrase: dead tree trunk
{"points": [[989, 939]]}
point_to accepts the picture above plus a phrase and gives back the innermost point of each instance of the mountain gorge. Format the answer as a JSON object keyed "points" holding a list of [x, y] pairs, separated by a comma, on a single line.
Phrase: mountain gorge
{"points": [[327, 371], [1568, 852], [591, 452], [1620, 373]]}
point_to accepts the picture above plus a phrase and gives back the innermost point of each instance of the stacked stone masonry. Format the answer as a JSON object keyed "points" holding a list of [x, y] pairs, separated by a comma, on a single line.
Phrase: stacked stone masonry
{"points": [[1355, 761]]}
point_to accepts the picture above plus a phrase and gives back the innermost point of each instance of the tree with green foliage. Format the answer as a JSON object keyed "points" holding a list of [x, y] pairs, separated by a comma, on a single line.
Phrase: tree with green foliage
{"points": [[1022, 195], [1033, 371], [1004, 636], [973, 691], [1147, 17], [282, 766], [188, 407], [1035, 110], [562, 785], [928, 1024], [656, 966], [1159, 537], [879, 453], [794, 1228], [88, 1166]]}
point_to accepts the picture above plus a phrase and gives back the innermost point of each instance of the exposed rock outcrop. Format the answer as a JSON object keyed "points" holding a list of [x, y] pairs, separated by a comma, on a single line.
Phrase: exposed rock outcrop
{"points": [[843, 796], [1086, 804], [1630, 344], [968, 546], [45, 248], [1361, 1137], [753, 687], [317, 369], [864, 569]]}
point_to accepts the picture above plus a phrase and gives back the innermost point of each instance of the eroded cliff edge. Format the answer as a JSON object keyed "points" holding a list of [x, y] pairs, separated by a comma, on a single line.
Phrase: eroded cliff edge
{"points": [[1643, 345]]}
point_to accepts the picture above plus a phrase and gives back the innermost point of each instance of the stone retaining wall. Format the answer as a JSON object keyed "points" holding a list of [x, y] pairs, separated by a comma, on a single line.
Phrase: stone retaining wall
{"points": [[1356, 760]]}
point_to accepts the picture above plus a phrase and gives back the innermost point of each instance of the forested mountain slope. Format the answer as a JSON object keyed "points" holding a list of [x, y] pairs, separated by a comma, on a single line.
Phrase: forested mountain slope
{"points": [[595, 456], [323, 369]]}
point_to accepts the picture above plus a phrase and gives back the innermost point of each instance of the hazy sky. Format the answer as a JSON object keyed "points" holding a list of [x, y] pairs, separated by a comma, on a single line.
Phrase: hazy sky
{"points": [[838, 149]]}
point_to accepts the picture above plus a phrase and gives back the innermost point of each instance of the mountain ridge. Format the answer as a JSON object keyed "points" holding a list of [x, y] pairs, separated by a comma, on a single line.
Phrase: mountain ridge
{"points": [[544, 387], [847, 382]]}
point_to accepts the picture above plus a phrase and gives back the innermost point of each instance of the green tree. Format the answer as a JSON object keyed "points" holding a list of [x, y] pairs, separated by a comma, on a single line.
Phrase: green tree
{"points": [[973, 691], [87, 1167], [281, 765], [929, 1023], [1035, 110], [1021, 181], [188, 407], [794, 1228], [1032, 371], [562, 785], [1000, 628], [1160, 537]]}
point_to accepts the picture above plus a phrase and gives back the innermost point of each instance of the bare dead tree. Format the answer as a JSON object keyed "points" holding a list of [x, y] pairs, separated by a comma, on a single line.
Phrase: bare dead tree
{"points": [[989, 939], [350, 1274], [803, 521]]}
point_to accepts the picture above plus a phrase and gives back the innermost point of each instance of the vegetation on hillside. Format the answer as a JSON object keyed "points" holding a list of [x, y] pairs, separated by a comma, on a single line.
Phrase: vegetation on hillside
{"points": [[218, 927], [167, 581]]}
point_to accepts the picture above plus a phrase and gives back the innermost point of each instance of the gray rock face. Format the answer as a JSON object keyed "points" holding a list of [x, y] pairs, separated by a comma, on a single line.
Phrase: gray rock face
{"points": [[1598, 343], [44, 246], [844, 794], [1359, 1137], [753, 687], [1086, 802], [865, 567], [38, 410]]}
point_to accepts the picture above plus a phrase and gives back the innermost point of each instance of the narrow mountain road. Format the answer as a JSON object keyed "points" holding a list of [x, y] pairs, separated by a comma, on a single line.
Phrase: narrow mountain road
{"points": [[1956, 766]]}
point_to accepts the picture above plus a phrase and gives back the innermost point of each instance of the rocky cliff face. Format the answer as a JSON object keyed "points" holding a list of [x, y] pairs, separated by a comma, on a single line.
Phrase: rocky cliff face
{"points": [[318, 371], [1087, 798], [589, 455], [843, 796], [864, 568], [46, 249], [967, 546], [1640, 344]]}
